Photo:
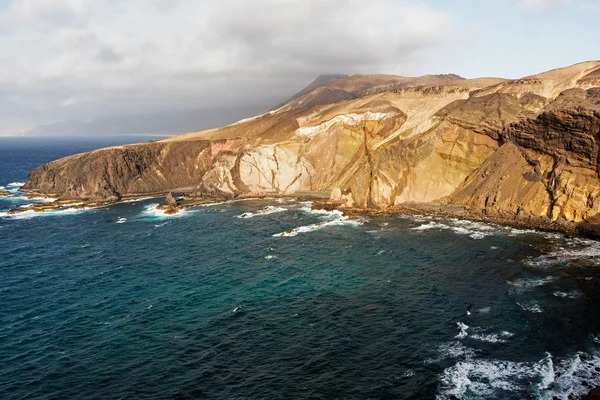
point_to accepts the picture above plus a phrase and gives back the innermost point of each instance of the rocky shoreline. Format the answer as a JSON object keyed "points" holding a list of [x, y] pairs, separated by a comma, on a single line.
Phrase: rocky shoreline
{"points": [[176, 202], [586, 230]]}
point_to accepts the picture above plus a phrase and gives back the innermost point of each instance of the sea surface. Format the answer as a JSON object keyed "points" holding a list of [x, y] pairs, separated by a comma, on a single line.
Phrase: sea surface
{"points": [[266, 299]]}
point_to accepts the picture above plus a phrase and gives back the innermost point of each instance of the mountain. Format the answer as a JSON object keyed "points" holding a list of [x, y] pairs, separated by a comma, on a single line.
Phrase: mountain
{"points": [[523, 151], [328, 89]]}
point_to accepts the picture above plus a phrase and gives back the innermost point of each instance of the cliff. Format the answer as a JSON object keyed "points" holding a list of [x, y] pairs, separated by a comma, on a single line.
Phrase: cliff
{"points": [[513, 149]]}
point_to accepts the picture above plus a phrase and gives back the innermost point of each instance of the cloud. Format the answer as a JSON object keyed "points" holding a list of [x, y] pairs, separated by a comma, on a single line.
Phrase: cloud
{"points": [[62, 59], [541, 5]]}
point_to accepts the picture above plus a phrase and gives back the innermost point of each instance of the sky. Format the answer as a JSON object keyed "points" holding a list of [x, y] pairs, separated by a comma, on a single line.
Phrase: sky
{"points": [[89, 59]]}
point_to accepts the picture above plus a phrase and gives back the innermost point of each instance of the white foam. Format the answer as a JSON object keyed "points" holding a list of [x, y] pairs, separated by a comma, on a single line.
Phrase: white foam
{"points": [[15, 184], [543, 261], [484, 310], [492, 337], [529, 283], [342, 221], [44, 199], [545, 379], [23, 215], [121, 220], [270, 257], [573, 294], [322, 213], [475, 230], [531, 306], [408, 373], [588, 250], [153, 211], [265, 211], [430, 225], [515, 232], [475, 225], [463, 330]]}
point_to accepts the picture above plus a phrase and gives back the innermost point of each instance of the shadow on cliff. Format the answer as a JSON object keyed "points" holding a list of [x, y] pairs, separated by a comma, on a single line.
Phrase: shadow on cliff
{"points": [[591, 228]]}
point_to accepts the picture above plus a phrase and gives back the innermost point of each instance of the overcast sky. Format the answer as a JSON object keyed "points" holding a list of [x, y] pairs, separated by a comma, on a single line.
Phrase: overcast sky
{"points": [[84, 59]]}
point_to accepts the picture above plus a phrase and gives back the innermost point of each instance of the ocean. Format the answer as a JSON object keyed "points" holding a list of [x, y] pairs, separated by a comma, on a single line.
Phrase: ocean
{"points": [[267, 299]]}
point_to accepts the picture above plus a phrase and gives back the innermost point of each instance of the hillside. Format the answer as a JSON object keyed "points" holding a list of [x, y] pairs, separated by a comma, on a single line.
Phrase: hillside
{"points": [[525, 149]]}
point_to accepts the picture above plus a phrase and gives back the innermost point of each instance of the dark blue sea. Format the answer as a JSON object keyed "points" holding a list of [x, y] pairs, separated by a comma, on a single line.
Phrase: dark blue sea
{"points": [[266, 299]]}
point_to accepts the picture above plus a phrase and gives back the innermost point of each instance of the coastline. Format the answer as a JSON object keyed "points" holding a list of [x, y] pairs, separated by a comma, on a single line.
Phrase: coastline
{"points": [[186, 198]]}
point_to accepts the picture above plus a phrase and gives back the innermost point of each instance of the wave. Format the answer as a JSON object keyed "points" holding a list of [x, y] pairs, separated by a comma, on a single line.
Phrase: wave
{"points": [[121, 220], [544, 379], [265, 211], [588, 250], [475, 230], [270, 257], [463, 330], [15, 184], [573, 294], [492, 337], [431, 225], [408, 373], [42, 199], [322, 213], [342, 221], [532, 306], [544, 261], [529, 283], [152, 211]]}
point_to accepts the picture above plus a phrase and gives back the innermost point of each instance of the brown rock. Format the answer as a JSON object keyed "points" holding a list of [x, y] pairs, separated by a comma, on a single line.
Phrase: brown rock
{"points": [[4, 193], [524, 150], [170, 200], [593, 394]]}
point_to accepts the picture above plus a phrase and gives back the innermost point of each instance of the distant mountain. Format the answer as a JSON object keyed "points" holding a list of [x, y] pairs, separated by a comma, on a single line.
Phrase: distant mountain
{"points": [[164, 123], [329, 89]]}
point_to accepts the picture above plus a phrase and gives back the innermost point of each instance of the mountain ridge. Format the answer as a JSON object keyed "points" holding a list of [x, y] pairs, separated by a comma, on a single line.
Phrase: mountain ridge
{"points": [[523, 150]]}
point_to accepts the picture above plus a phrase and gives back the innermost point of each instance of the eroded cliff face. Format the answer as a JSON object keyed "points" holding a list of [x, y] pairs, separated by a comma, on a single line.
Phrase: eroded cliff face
{"points": [[518, 149], [111, 173]]}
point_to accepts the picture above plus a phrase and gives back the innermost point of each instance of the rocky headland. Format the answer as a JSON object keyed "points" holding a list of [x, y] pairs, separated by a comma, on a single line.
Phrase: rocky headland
{"points": [[523, 152]]}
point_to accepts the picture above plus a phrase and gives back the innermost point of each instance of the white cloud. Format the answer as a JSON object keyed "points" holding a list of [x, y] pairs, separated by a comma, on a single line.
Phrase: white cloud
{"points": [[541, 5], [85, 58]]}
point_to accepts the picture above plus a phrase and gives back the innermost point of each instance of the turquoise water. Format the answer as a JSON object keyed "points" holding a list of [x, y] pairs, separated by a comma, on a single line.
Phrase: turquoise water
{"points": [[124, 302]]}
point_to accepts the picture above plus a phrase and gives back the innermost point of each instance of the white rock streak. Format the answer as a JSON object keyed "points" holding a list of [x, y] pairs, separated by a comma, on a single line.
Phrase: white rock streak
{"points": [[347, 119]]}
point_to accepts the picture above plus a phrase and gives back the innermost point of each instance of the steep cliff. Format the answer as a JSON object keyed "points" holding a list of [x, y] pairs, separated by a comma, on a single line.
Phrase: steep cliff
{"points": [[511, 148]]}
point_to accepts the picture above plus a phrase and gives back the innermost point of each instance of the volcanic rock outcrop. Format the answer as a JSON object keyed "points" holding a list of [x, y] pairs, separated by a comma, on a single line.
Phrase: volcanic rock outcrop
{"points": [[508, 149]]}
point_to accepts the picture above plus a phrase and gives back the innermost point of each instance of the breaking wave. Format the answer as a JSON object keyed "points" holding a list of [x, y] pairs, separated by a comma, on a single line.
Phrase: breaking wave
{"points": [[152, 211], [341, 221], [475, 230], [265, 211], [492, 337], [529, 283], [547, 378], [531, 306]]}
